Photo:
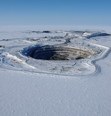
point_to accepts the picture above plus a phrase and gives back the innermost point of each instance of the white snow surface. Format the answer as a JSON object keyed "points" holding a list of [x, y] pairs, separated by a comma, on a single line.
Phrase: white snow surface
{"points": [[31, 89]]}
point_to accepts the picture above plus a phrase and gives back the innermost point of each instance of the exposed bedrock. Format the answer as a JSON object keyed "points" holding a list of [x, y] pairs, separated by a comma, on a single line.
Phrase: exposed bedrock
{"points": [[57, 53]]}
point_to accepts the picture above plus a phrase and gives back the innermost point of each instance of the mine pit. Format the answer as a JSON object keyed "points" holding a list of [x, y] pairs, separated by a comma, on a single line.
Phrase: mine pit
{"points": [[53, 52]]}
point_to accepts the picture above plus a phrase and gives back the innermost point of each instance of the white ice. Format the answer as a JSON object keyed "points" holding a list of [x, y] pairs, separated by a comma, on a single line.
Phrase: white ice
{"points": [[25, 91]]}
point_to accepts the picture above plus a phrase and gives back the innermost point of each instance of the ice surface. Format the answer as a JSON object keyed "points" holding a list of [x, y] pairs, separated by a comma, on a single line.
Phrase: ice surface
{"points": [[74, 53], [29, 88]]}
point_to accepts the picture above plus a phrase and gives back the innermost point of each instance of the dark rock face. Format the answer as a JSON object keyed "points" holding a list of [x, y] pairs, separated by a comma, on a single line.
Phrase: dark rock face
{"points": [[2, 46], [46, 32], [57, 53]]}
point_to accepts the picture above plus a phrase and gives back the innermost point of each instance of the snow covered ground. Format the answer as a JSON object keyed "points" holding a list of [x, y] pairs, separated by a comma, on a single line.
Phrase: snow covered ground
{"points": [[29, 87]]}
